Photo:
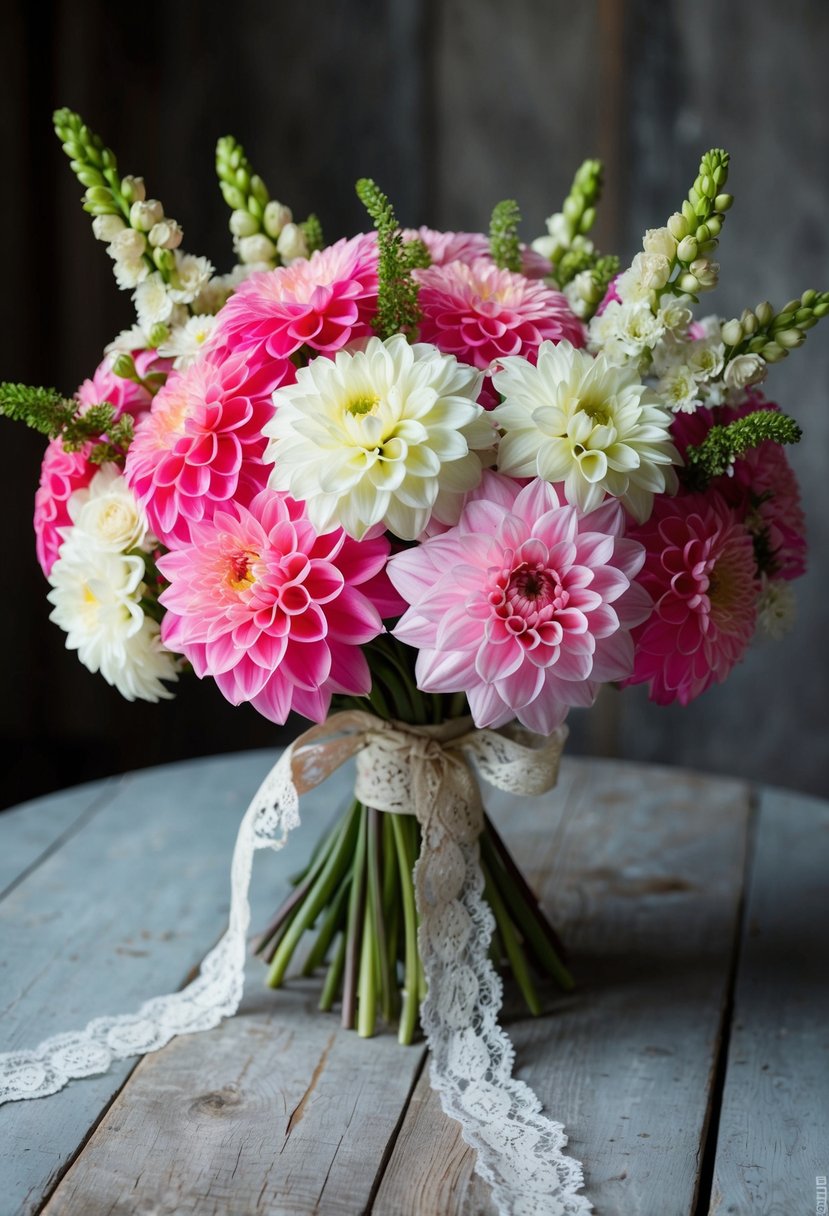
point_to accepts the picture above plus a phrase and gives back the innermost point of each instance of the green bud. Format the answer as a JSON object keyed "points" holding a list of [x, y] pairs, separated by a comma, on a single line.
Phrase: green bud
{"points": [[124, 367], [587, 220], [784, 319], [678, 226], [260, 190], [749, 322], [773, 352], [88, 176], [233, 196], [133, 189], [808, 298], [714, 225], [97, 194], [732, 333], [688, 283], [701, 208], [708, 186], [707, 247], [810, 323], [820, 310], [723, 202], [164, 260], [690, 215], [803, 314], [109, 208], [764, 314], [703, 233], [790, 338], [571, 209], [757, 344], [792, 306], [255, 207], [687, 250], [241, 178], [159, 333]]}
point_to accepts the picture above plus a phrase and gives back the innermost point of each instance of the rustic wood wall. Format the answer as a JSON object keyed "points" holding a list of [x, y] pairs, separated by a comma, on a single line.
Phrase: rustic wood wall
{"points": [[451, 106]]}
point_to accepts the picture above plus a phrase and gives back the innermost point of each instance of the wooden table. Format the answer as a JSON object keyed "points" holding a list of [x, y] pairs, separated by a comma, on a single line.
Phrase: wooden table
{"points": [[691, 1066]]}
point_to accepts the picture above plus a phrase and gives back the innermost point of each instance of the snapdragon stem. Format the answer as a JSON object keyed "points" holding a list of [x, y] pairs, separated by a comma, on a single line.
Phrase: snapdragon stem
{"points": [[515, 955], [410, 1009], [367, 990], [334, 976], [333, 920], [492, 841], [318, 896], [356, 904]]}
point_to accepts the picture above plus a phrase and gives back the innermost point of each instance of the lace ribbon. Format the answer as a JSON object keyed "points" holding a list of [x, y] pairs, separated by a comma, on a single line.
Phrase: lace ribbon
{"points": [[400, 769]]}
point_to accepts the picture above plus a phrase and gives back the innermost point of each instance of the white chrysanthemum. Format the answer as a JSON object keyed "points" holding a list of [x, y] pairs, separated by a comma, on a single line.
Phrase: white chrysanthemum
{"points": [[678, 388], [108, 512], [775, 608], [153, 302], [625, 332], [705, 358], [579, 420], [96, 597], [128, 340], [387, 434], [185, 344], [190, 277], [130, 274]]}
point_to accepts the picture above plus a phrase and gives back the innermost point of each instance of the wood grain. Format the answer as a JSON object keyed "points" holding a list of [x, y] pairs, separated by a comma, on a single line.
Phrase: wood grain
{"points": [[643, 871], [772, 1142], [122, 911]]}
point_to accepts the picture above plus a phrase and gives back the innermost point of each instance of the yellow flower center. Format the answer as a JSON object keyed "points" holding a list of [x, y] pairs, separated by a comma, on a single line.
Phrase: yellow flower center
{"points": [[364, 404], [240, 575]]}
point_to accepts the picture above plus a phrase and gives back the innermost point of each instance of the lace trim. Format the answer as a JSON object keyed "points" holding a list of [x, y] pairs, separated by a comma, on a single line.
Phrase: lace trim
{"points": [[399, 768]]}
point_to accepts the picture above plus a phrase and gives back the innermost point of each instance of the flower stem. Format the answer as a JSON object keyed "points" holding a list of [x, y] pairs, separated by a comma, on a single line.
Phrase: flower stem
{"points": [[334, 919], [409, 1012], [356, 904], [334, 975], [515, 954]]}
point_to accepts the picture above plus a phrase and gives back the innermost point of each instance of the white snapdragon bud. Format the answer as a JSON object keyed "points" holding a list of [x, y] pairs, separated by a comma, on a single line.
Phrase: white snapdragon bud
{"points": [[165, 235], [144, 215], [242, 223], [276, 217], [291, 244], [133, 188], [745, 370], [706, 273], [127, 246], [107, 227], [257, 248], [659, 241]]}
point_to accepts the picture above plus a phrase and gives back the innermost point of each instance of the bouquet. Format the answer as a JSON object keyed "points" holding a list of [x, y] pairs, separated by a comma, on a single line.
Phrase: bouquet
{"points": [[429, 490]]}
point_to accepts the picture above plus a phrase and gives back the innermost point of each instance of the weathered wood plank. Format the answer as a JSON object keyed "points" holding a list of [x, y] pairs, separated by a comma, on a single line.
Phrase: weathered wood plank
{"points": [[642, 869], [278, 1112], [772, 1142], [122, 911], [29, 832]]}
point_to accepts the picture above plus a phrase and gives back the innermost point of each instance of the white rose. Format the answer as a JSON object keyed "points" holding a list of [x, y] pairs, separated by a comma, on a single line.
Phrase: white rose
{"points": [[653, 270], [745, 370], [108, 512], [127, 246]]}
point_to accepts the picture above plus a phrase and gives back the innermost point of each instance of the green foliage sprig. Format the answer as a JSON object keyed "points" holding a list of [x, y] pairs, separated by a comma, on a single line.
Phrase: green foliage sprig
{"points": [[49, 412], [723, 444], [312, 231], [504, 244], [397, 306]]}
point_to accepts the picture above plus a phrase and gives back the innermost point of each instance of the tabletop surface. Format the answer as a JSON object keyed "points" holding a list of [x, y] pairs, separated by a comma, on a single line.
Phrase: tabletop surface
{"points": [[690, 1066]]}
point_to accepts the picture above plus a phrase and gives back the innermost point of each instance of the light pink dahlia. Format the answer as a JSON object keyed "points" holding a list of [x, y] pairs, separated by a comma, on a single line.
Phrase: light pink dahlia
{"points": [[202, 442], [480, 314], [701, 573], [323, 302], [273, 612], [762, 488], [62, 472], [446, 247], [526, 605]]}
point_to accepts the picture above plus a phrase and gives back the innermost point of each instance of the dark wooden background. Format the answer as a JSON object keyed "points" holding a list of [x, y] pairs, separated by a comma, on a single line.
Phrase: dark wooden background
{"points": [[451, 106]]}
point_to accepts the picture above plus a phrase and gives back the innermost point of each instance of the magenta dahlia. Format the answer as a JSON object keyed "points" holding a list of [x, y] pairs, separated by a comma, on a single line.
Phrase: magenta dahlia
{"points": [[526, 605], [323, 302], [275, 613], [201, 443], [480, 314], [62, 472], [701, 573], [762, 488]]}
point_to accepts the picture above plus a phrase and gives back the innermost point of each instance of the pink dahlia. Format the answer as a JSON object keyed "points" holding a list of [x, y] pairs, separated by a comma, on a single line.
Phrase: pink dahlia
{"points": [[467, 246], [480, 314], [526, 605], [701, 573], [762, 489], [201, 443], [62, 472], [323, 302], [273, 612]]}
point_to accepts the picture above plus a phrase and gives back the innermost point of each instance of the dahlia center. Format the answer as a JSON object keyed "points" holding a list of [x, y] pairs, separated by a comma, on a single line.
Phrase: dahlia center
{"points": [[531, 590], [240, 574], [596, 411], [365, 403]]}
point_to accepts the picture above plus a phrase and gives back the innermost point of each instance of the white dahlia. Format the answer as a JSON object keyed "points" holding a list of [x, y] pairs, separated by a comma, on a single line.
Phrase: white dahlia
{"points": [[578, 420], [96, 596], [108, 512], [384, 435]]}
